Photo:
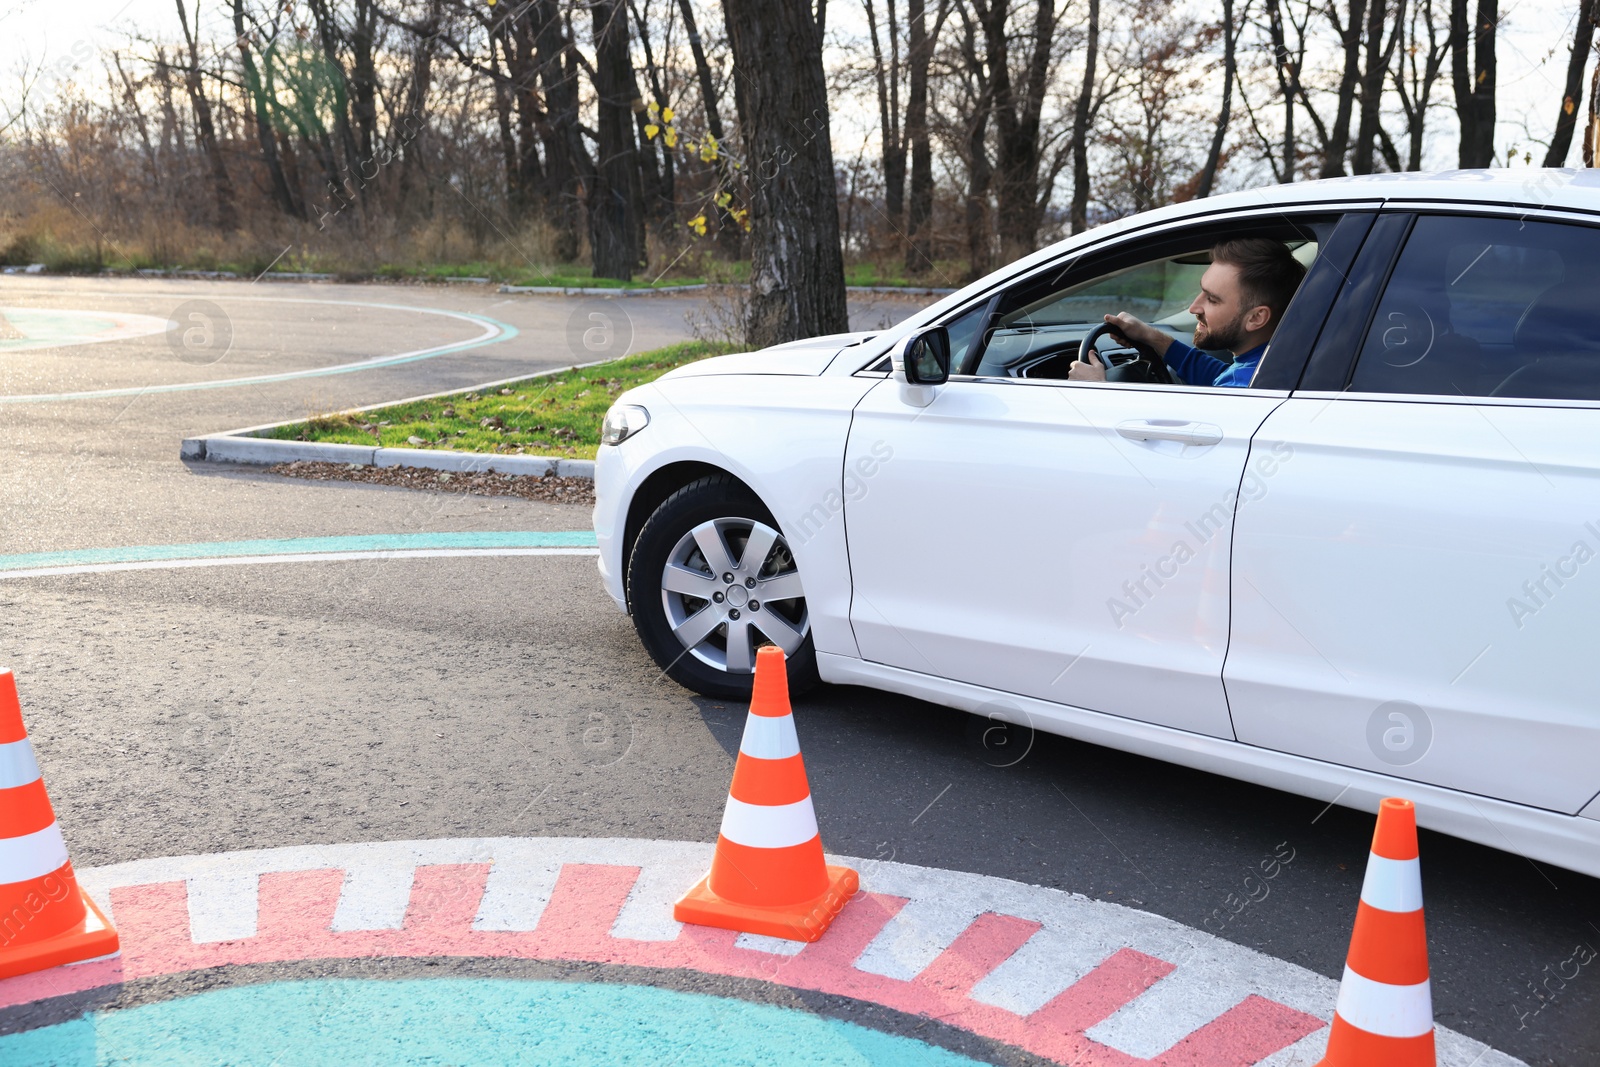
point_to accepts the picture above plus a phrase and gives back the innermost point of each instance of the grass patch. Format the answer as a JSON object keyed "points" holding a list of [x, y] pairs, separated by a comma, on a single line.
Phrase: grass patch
{"points": [[555, 415]]}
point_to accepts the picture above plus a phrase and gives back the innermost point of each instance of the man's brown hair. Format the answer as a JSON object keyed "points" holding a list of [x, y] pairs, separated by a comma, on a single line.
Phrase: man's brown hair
{"points": [[1268, 272]]}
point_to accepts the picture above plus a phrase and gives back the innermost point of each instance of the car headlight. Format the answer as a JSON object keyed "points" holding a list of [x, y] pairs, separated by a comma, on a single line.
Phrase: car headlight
{"points": [[622, 422]]}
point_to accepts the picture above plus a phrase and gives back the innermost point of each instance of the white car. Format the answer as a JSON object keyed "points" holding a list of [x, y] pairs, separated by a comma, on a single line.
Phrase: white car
{"points": [[1374, 572]]}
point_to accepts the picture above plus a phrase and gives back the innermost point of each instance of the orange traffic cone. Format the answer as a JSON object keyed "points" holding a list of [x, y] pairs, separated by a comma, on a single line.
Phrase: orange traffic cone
{"points": [[45, 918], [1385, 1010], [768, 875]]}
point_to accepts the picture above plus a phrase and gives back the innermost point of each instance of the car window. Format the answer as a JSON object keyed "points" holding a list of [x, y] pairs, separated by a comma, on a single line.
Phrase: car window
{"points": [[1488, 307], [1037, 330]]}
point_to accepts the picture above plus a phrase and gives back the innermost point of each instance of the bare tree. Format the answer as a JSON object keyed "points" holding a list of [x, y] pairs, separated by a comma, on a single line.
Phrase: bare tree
{"points": [[1078, 214], [1572, 95], [1420, 61], [205, 128], [1379, 57], [616, 216], [1336, 142], [1474, 79], [1230, 37]]}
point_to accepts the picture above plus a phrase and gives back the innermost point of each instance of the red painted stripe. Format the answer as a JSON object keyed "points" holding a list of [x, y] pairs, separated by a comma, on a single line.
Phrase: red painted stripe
{"points": [[768, 875], [986, 944], [1245, 1034], [1102, 992], [1389, 946], [769, 781], [1357, 1048], [25, 809]]}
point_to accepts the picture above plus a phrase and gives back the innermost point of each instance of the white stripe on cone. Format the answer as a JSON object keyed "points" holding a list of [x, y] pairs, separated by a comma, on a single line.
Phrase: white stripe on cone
{"points": [[17, 765], [1392, 885], [769, 825], [769, 737], [31, 856], [1383, 1009]]}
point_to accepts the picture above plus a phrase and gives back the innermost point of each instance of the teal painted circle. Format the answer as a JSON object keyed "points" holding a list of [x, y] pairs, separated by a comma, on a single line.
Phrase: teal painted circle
{"points": [[461, 1022]]}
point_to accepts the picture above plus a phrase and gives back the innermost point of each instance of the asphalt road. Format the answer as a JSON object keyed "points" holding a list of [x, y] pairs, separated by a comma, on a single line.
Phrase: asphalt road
{"points": [[194, 711]]}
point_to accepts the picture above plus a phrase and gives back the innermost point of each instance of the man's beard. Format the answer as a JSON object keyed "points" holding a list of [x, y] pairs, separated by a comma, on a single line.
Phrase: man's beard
{"points": [[1217, 338]]}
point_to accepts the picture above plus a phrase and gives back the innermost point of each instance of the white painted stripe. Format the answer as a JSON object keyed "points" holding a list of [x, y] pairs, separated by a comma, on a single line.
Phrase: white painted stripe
{"points": [[769, 737], [1384, 1009], [769, 825], [1392, 885], [223, 906], [776, 946], [373, 897], [297, 557], [17, 765], [31, 856]]}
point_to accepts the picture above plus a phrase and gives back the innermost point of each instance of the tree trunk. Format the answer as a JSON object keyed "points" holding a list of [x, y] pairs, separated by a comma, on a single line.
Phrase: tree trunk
{"points": [[413, 120], [1017, 122], [1379, 57], [886, 70], [1079, 212], [1230, 36], [616, 215], [979, 176], [259, 104], [796, 269], [1288, 72], [1591, 140], [568, 168], [205, 130], [364, 77], [660, 184], [919, 56], [1475, 81], [352, 185], [1339, 134], [1572, 97]]}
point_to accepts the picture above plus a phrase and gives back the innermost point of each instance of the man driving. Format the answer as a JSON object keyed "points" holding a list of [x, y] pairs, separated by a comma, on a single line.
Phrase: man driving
{"points": [[1243, 294]]}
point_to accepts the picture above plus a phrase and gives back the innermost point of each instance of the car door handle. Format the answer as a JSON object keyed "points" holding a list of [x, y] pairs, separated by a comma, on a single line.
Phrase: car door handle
{"points": [[1189, 433]]}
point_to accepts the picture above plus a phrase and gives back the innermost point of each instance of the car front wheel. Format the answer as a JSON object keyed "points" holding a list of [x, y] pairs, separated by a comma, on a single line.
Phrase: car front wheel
{"points": [[710, 581]]}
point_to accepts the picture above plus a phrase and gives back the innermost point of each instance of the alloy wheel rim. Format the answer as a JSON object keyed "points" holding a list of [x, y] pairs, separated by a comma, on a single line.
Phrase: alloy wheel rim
{"points": [[729, 586]]}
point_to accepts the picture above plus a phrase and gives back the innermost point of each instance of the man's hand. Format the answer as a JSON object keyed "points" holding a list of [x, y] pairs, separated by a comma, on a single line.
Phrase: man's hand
{"points": [[1126, 327], [1080, 371]]}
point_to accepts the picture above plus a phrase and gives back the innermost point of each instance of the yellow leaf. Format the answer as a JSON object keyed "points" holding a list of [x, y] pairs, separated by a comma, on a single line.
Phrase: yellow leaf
{"points": [[698, 225], [1569, 107], [666, 113], [724, 199], [650, 131], [652, 107], [672, 137]]}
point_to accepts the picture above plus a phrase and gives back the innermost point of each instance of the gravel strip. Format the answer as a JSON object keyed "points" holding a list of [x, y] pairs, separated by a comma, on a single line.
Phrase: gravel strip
{"points": [[550, 488]]}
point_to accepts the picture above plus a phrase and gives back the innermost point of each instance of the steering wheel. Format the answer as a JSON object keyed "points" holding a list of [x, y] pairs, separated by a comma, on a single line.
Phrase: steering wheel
{"points": [[1147, 367]]}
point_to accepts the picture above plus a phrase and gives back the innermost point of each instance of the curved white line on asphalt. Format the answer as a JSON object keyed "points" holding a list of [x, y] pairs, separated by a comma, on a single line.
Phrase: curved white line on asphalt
{"points": [[493, 331], [292, 557]]}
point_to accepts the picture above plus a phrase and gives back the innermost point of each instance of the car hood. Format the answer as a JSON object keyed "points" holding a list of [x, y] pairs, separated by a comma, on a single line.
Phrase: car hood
{"points": [[809, 356]]}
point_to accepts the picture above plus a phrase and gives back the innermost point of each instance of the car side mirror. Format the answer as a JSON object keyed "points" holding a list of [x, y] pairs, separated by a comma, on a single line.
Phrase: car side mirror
{"points": [[921, 363]]}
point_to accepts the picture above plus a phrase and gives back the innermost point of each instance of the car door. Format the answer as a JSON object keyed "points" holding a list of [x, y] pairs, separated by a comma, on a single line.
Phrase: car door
{"points": [[1416, 592], [1062, 540]]}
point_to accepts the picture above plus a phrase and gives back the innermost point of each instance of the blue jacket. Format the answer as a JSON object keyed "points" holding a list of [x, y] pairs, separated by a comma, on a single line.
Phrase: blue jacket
{"points": [[1198, 368]]}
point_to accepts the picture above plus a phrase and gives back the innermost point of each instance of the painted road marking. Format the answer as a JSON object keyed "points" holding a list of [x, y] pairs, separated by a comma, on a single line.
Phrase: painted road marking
{"points": [[493, 331], [1137, 988], [58, 328], [473, 1022], [300, 550]]}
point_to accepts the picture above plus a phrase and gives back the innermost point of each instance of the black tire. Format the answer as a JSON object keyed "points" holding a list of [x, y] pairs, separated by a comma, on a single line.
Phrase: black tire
{"points": [[723, 500]]}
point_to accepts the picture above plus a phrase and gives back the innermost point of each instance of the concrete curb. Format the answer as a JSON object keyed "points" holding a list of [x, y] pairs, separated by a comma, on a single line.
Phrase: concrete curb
{"points": [[561, 290], [246, 445], [226, 448]]}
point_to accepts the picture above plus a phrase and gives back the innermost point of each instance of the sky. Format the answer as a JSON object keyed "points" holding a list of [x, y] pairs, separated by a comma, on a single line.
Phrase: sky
{"points": [[69, 35]]}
